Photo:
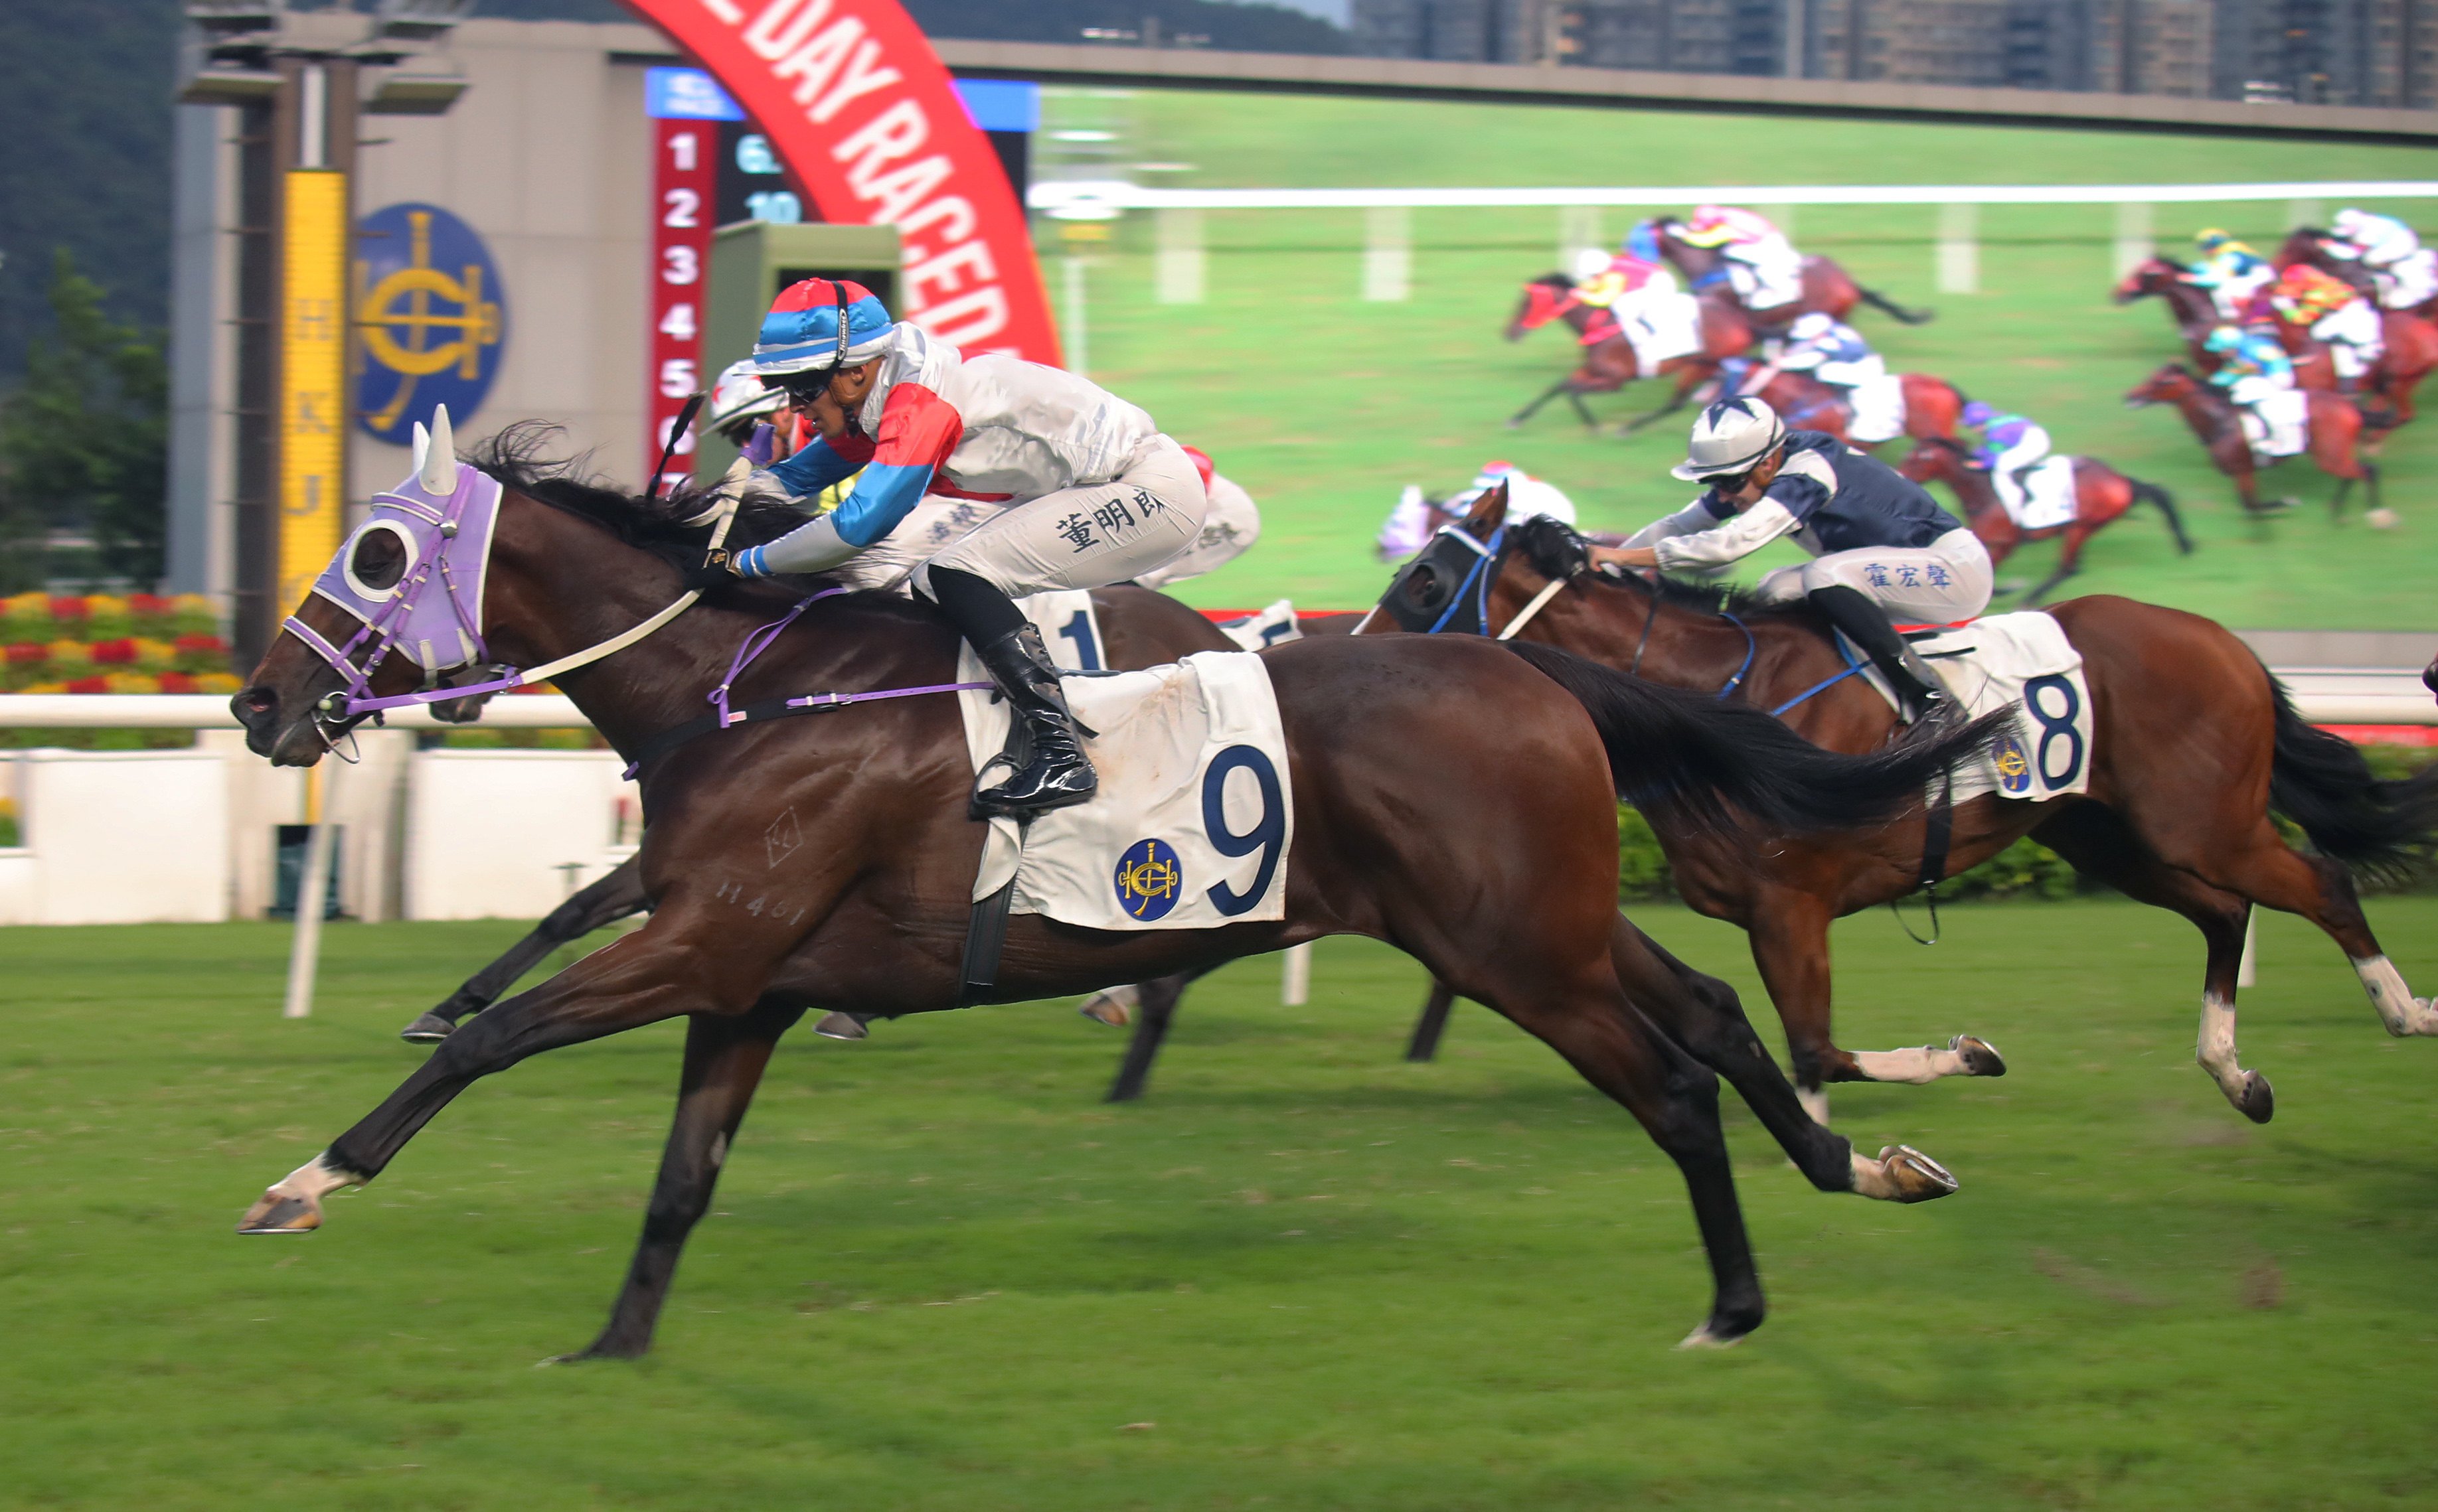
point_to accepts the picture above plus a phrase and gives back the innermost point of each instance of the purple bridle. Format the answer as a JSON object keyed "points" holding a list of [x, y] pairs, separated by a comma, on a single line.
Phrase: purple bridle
{"points": [[447, 541]]}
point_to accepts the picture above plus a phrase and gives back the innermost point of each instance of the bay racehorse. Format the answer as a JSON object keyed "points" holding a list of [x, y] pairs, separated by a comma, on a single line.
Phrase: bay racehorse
{"points": [[2101, 496], [1505, 890], [1139, 628], [2309, 244], [2194, 749], [2332, 437], [1609, 361], [1826, 287]]}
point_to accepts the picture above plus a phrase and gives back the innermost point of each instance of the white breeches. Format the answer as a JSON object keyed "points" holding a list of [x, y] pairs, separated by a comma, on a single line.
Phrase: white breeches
{"points": [[1230, 527], [1089, 536], [1948, 580], [1765, 274], [2409, 281], [2356, 338], [2233, 292], [1878, 403], [2028, 449]]}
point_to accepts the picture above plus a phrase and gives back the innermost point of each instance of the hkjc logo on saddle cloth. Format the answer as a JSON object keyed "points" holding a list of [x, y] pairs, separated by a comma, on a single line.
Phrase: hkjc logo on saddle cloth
{"points": [[431, 318]]}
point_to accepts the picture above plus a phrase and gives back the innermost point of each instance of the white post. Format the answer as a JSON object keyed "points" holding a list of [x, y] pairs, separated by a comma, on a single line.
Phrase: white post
{"points": [[304, 945], [1780, 216], [1959, 249], [1295, 983], [1387, 253], [2133, 243], [2303, 213], [1578, 227], [2247, 971], [1178, 266], [1076, 338]]}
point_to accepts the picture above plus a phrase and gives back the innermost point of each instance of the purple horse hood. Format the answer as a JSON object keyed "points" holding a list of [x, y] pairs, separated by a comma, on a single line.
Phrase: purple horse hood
{"points": [[432, 613]]}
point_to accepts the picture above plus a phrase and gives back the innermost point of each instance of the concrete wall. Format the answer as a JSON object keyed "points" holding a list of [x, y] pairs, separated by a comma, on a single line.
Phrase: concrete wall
{"points": [[507, 834], [117, 837]]}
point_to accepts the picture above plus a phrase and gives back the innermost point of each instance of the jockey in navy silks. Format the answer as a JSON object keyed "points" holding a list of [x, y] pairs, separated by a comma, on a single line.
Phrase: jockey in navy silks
{"points": [[1883, 547], [1086, 489]]}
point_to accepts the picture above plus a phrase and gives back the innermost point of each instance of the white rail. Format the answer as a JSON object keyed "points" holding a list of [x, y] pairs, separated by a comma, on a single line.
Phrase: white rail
{"points": [[1065, 197]]}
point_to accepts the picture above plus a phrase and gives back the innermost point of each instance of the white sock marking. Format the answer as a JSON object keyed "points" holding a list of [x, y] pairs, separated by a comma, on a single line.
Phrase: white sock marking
{"points": [[2402, 1012]]}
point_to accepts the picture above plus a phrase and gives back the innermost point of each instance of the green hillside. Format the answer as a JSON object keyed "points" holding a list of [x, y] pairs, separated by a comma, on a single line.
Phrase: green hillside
{"points": [[1324, 405]]}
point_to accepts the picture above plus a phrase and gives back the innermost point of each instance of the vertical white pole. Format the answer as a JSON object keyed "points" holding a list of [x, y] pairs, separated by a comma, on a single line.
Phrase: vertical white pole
{"points": [[304, 945], [2247, 971], [1578, 227], [1959, 249], [1177, 267], [1077, 336], [1387, 253], [2133, 244], [2303, 213], [1295, 983], [1780, 216]]}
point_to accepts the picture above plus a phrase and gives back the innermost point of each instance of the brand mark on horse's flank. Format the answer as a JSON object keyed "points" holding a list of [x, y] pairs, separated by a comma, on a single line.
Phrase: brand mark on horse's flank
{"points": [[1149, 879], [784, 837], [2014, 767]]}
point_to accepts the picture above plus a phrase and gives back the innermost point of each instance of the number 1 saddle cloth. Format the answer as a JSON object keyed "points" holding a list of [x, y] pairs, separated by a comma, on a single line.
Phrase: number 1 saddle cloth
{"points": [[2022, 660], [1194, 816]]}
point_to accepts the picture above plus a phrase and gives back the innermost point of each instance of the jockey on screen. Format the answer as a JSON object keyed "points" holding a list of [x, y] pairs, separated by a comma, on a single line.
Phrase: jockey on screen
{"points": [[1620, 280], [1884, 546], [1411, 523], [1764, 268], [1835, 353], [2011, 447], [2405, 272], [2334, 312], [1088, 493], [2254, 368], [2232, 272]]}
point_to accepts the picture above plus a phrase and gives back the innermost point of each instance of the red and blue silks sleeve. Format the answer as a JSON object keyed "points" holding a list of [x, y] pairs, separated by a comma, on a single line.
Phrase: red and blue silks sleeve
{"points": [[918, 431]]}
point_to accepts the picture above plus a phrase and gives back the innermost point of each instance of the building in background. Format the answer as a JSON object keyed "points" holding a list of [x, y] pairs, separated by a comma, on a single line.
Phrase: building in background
{"points": [[2333, 52]]}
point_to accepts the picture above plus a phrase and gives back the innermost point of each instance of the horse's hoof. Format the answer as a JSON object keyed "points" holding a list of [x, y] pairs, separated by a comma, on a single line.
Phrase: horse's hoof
{"points": [[841, 1026], [280, 1214], [1903, 1174], [1980, 1057], [2382, 518], [1718, 1333], [2255, 1101], [429, 1030], [1114, 1007]]}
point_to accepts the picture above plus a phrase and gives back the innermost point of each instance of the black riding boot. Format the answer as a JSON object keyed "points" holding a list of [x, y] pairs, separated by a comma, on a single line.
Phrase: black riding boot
{"points": [[1050, 767], [1919, 694]]}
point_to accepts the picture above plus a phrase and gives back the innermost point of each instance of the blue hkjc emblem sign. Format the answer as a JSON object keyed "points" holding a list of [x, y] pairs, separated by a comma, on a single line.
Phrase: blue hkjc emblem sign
{"points": [[1149, 879], [2014, 767], [431, 318]]}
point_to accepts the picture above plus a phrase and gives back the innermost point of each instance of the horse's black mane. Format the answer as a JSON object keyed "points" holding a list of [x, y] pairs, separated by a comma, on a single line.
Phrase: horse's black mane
{"points": [[1555, 550], [517, 458]]}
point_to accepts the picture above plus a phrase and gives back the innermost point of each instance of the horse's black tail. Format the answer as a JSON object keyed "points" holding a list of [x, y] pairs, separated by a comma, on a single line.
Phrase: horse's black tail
{"points": [[2319, 781], [1689, 758], [1893, 311], [2153, 493]]}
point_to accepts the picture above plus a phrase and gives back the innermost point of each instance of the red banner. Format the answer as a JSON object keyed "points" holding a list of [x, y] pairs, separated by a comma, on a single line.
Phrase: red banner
{"points": [[862, 111], [684, 176]]}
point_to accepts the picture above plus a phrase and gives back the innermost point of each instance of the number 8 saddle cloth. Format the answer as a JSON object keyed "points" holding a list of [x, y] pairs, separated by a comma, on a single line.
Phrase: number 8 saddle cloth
{"points": [[2026, 661], [1194, 816]]}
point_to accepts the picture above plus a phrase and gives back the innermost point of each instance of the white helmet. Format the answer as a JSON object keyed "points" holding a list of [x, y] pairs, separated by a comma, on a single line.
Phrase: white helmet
{"points": [[1590, 263], [1732, 436], [1812, 327], [2348, 220], [741, 394]]}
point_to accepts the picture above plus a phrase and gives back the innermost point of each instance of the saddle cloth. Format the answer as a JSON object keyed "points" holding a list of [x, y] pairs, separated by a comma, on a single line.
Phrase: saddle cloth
{"points": [[1069, 626], [2279, 425], [1661, 327], [2047, 498], [1264, 628], [2024, 661], [1194, 817]]}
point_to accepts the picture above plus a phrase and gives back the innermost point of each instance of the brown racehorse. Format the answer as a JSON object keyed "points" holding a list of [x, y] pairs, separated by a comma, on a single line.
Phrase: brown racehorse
{"points": [[2333, 435], [2101, 495], [2309, 244], [2195, 314], [1609, 361], [2194, 748], [1827, 287], [870, 911], [1933, 406], [1139, 628], [2410, 337]]}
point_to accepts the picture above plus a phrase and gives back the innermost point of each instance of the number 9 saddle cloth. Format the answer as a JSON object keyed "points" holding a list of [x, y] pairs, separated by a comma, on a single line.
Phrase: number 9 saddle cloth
{"points": [[1194, 816]]}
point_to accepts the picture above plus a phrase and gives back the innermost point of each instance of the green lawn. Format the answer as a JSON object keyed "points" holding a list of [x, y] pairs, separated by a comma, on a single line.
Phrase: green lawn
{"points": [[943, 1276], [1324, 405]]}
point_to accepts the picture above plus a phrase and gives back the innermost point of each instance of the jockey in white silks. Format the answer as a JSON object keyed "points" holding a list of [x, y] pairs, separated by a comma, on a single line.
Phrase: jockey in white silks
{"points": [[2404, 271], [1410, 525], [1883, 548], [1764, 268], [2011, 447], [1656, 318], [1835, 353], [1085, 490]]}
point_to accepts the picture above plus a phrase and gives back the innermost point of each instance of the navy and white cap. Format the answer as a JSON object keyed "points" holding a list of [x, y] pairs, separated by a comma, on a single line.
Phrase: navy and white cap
{"points": [[1732, 436], [801, 333]]}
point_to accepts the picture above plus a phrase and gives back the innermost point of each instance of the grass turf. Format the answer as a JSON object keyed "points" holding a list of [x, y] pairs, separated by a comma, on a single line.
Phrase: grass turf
{"points": [[1324, 405], [1301, 1274]]}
